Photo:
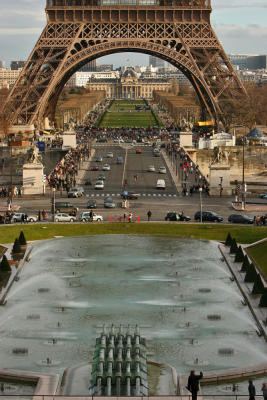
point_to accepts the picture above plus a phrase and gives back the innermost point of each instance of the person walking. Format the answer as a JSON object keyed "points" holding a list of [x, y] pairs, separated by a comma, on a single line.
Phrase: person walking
{"points": [[193, 383], [264, 390], [149, 214], [251, 390]]}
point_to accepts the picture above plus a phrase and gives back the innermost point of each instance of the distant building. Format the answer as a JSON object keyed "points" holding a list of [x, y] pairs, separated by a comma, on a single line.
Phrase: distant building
{"points": [[104, 67], [2, 64], [91, 66], [8, 77], [156, 62], [257, 62], [15, 65], [129, 85], [80, 78], [239, 60]]}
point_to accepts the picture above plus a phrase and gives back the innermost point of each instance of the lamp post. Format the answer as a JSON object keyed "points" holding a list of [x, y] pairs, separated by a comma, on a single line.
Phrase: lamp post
{"points": [[221, 185], [54, 203], [244, 186], [200, 198]]}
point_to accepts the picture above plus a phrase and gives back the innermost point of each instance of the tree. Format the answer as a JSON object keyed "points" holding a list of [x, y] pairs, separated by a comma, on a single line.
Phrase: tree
{"points": [[245, 264], [233, 248], [228, 240], [16, 247], [258, 287], [4, 265], [239, 257], [22, 240]]}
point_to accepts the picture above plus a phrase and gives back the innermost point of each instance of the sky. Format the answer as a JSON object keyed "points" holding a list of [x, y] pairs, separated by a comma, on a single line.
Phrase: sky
{"points": [[241, 26]]}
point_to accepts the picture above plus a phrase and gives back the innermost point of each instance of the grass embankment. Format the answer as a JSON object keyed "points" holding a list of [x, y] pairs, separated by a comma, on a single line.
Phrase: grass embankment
{"points": [[123, 113], [1, 250], [259, 254], [247, 235]]}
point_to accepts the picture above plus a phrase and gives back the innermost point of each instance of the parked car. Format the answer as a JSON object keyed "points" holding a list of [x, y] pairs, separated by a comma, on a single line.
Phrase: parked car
{"points": [[17, 217], [85, 217], [162, 170], [176, 216], [130, 195], [106, 167], [95, 167], [138, 151], [91, 204], [240, 219], [151, 168], [109, 202], [263, 196], [208, 216], [110, 154], [61, 206], [63, 217], [99, 185]]}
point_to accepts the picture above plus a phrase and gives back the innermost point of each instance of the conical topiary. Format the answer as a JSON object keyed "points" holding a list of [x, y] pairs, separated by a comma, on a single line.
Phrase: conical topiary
{"points": [[4, 265], [233, 248], [258, 287], [263, 300], [251, 274], [239, 257], [245, 264], [16, 247], [228, 240], [22, 240]]}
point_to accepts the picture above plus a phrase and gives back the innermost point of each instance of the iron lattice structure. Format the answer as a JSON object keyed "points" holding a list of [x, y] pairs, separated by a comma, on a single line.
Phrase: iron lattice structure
{"points": [[78, 31]]}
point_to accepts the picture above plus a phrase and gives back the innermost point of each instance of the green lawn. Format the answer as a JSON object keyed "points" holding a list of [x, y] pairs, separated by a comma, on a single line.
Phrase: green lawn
{"points": [[206, 231], [259, 254], [1, 250], [123, 113]]}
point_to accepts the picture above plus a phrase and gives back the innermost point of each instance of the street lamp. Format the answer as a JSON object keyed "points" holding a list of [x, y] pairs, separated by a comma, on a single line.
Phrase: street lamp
{"points": [[244, 186], [221, 185], [54, 203], [200, 198]]}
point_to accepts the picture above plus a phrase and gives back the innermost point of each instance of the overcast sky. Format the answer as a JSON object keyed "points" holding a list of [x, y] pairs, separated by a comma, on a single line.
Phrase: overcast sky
{"points": [[241, 26]]}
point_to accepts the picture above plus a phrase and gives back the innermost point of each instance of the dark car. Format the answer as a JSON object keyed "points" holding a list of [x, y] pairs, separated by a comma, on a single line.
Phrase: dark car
{"points": [[91, 204], [208, 216], [130, 195], [88, 182], [95, 167], [263, 196], [240, 219], [109, 202], [174, 216]]}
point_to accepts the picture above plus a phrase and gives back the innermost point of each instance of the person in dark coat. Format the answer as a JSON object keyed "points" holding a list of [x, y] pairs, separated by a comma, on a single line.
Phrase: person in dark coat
{"points": [[251, 390], [193, 383]]}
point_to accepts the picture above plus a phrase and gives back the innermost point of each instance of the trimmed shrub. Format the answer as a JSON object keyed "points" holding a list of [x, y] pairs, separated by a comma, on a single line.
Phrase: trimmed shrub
{"points": [[228, 240], [16, 247], [245, 264], [22, 240], [251, 274], [4, 265], [233, 248], [258, 287], [239, 257], [263, 300]]}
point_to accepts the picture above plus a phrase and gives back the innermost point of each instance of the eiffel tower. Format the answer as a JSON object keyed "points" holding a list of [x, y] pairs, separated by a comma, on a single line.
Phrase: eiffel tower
{"points": [[78, 31]]}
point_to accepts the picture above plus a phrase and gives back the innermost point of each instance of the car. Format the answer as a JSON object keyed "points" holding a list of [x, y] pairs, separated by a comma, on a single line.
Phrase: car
{"points": [[138, 151], [17, 217], [130, 195], [174, 216], [102, 140], [109, 202], [263, 196], [208, 216], [65, 206], [88, 182], [76, 192], [161, 184], [86, 217], [95, 167], [106, 167], [101, 177], [162, 170], [91, 204], [240, 219], [63, 217], [119, 160], [110, 154], [151, 168], [156, 152], [99, 185], [98, 159]]}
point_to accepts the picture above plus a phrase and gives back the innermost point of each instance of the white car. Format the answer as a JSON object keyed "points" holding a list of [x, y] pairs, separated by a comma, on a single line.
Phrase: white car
{"points": [[110, 154], [85, 217], [99, 185], [106, 167], [151, 168], [63, 217], [17, 217], [162, 170]]}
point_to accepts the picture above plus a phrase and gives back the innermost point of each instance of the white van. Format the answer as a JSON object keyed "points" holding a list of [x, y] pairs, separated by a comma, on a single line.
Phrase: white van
{"points": [[161, 184]]}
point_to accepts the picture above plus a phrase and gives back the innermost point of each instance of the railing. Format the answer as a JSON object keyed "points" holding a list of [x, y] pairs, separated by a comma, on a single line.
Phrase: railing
{"points": [[184, 397], [170, 3]]}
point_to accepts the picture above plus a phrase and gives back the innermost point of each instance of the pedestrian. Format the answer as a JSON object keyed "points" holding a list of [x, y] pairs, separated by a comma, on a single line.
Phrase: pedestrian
{"points": [[39, 215], [22, 218], [130, 217], [149, 214], [251, 390], [124, 217], [264, 390], [91, 215], [44, 214], [193, 383]]}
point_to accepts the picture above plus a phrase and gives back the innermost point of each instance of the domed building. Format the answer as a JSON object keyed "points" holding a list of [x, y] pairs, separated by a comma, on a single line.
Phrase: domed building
{"points": [[130, 85]]}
